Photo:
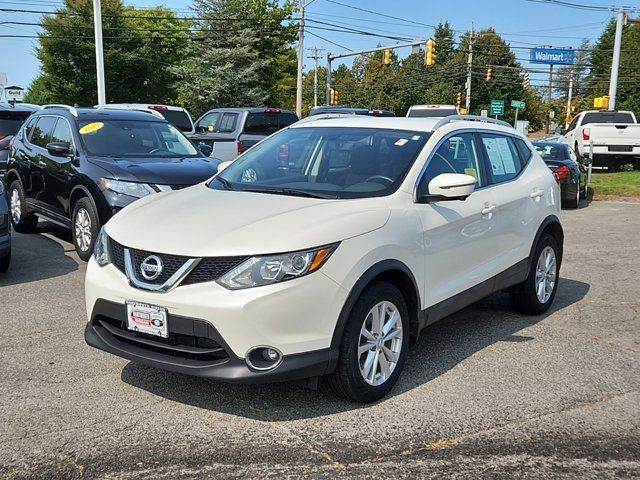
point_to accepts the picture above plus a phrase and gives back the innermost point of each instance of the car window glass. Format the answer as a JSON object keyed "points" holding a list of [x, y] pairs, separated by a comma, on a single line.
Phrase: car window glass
{"points": [[457, 154], [287, 119], [62, 133], [29, 127], [573, 124], [607, 117], [179, 118], [504, 160], [261, 123], [524, 150], [41, 134], [228, 122], [10, 121], [208, 122]]}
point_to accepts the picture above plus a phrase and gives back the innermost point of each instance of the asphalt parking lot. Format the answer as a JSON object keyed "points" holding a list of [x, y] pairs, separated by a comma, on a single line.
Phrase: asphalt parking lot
{"points": [[486, 393]]}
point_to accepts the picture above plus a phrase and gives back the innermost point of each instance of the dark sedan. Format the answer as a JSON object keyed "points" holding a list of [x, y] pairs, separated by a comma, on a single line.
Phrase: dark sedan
{"points": [[570, 170]]}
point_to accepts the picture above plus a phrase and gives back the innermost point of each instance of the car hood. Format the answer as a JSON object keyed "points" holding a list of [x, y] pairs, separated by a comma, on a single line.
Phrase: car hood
{"points": [[161, 171], [201, 222]]}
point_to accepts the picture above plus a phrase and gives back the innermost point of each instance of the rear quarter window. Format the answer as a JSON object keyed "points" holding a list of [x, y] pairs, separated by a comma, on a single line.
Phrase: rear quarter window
{"points": [[524, 150]]}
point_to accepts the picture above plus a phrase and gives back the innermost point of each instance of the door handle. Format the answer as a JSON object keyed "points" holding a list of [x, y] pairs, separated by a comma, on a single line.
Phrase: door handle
{"points": [[488, 209], [41, 163], [537, 193]]}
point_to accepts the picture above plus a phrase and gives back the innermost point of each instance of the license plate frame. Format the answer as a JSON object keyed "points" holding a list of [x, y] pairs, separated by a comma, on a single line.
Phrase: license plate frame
{"points": [[145, 318]]}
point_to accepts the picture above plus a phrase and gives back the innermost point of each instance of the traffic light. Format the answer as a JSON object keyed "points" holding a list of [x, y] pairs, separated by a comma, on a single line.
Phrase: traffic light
{"points": [[489, 73], [333, 98], [387, 56], [601, 102], [430, 55], [525, 80], [459, 99]]}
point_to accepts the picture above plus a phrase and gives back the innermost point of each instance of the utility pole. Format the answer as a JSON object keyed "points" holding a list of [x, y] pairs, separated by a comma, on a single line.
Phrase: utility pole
{"points": [[615, 64], [550, 97], [301, 7], [97, 25], [569, 97], [328, 91], [315, 58], [469, 70]]}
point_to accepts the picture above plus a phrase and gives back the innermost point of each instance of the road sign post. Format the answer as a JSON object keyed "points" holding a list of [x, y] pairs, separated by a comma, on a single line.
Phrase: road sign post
{"points": [[517, 104]]}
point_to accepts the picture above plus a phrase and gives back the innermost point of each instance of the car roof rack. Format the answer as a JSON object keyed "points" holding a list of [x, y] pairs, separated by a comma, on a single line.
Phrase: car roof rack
{"points": [[324, 116], [71, 109], [128, 107], [470, 118]]}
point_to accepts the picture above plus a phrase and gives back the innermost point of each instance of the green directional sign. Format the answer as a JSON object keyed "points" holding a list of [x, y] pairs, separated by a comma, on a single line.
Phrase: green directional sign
{"points": [[518, 104], [497, 107]]}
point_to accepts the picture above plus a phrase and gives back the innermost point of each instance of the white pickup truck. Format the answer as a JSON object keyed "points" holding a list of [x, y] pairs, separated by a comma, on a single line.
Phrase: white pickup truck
{"points": [[615, 136]]}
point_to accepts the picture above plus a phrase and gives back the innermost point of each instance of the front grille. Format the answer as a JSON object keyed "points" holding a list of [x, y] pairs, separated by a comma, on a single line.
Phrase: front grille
{"points": [[180, 345], [208, 270]]}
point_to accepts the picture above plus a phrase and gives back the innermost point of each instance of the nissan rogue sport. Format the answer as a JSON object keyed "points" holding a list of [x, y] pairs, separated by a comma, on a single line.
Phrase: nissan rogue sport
{"points": [[325, 249]]}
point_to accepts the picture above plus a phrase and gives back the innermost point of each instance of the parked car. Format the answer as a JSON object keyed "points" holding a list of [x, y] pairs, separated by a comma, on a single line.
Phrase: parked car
{"points": [[569, 169], [615, 136], [328, 261], [374, 112], [12, 116], [5, 232], [432, 111], [78, 167], [231, 131], [179, 116]]}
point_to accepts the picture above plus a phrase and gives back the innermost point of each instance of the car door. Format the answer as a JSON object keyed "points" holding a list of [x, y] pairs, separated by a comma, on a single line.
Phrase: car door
{"points": [[58, 170], [518, 198], [37, 155], [459, 236], [582, 168]]}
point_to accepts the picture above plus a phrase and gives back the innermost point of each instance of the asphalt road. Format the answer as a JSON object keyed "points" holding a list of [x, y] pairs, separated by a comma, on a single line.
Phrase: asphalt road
{"points": [[486, 393]]}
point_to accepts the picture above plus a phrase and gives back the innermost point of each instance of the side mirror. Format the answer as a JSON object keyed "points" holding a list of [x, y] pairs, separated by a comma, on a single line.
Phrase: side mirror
{"points": [[59, 149], [206, 150], [224, 165], [449, 186]]}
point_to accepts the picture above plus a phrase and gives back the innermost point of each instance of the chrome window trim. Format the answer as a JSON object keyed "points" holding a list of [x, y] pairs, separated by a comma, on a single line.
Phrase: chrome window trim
{"points": [[167, 286]]}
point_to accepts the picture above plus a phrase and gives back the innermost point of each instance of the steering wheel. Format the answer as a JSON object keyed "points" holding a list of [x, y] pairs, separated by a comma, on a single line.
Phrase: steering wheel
{"points": [[158, 150], [380, 177]]}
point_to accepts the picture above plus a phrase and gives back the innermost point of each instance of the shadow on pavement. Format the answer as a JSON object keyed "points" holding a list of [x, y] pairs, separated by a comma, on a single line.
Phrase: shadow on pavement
{"points": [[38, 257], [440, 348]]}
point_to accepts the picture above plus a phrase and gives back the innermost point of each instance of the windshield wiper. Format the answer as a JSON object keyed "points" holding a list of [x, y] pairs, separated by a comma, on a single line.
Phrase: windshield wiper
{"points": [[294, 192], [225, 183]]}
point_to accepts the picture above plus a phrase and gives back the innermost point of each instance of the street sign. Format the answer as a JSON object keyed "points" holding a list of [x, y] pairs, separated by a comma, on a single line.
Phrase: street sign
{"points": [[553, 56], [484, 113], [497, 107], [14, 93], [518, 104]]}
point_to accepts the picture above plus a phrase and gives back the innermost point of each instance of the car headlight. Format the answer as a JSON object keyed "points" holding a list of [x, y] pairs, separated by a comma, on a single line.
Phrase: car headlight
{"points": [[133, 189], [101, 249], [268, 269]]}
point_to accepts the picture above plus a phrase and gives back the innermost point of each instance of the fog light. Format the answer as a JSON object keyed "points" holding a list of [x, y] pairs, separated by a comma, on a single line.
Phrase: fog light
{"points": [[270, 355], [263, 358]]}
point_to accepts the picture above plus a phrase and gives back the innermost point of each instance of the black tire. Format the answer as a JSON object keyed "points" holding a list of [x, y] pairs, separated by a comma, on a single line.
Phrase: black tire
{"points": [[5, 262], [84, 247], [524, 298], [27, 222], [347, 380], [574, 201]]}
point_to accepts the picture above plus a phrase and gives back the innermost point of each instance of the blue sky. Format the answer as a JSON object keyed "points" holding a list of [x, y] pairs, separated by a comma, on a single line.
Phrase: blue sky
{"points": [[523, 24]]}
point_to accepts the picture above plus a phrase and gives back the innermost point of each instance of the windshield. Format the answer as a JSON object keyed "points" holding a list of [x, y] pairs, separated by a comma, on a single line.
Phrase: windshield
{"points": [[552, 151], [607, 117], [328, 162], [134, 138], [432, 112]]}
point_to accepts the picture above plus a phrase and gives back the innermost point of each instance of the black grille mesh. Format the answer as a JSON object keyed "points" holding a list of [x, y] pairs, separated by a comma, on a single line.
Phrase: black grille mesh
{"points": [[212, 268]]}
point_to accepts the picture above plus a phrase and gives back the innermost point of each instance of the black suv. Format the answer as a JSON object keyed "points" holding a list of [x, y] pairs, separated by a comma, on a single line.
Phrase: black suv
{"points": [[78, 167]]}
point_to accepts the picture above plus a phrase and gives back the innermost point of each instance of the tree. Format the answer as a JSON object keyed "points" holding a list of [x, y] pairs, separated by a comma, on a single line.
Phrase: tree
{"points": [[140, 47], [445, 39], [36, 92], [580, 71]]}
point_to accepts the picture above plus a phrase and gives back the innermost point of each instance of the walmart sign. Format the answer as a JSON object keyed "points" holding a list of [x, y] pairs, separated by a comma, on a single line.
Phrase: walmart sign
{"points": [[553, 56]]}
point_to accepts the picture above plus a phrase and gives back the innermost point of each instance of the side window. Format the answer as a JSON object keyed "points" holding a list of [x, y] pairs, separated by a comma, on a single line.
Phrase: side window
{"points": [[457, 154], [261, 123], [573, 124], [502, 154], [228, 123], [62, 133], [208, 122], [28, 127], [525, 151], [41, 134]]}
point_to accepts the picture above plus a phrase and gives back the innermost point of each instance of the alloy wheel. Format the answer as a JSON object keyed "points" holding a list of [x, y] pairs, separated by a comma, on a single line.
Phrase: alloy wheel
{"points": [[545, 274], [83, 229], [380, 343], [15, 205]]}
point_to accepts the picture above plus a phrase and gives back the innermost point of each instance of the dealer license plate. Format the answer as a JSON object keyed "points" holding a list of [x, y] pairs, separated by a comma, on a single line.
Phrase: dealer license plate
{"points": [[145, 318]]}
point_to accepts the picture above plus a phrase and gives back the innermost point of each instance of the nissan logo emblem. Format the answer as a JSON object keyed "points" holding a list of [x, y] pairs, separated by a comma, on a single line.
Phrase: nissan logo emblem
{"points": [[151, 267]]}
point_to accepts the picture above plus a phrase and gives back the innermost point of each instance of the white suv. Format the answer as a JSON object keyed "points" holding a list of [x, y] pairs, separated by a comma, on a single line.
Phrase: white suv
{"points": [[325, 249]]}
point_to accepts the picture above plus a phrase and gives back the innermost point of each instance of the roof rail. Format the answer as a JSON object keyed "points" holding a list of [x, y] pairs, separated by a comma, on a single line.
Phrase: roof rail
{"points": [[71, 109], [324, 116], [130, 108], [470, 118]]}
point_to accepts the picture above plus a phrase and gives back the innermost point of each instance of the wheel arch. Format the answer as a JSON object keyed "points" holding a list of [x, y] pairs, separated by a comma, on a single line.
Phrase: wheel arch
{"points": [[394, 272], [553, 227], [11, 176], [80, 191]]}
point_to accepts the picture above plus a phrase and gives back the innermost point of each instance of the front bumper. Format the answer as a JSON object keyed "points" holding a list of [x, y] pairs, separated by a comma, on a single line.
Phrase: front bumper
{"points": [[297, 317]]}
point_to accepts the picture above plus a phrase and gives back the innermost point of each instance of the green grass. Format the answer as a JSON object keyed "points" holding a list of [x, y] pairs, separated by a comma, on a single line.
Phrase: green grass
{"points": [[622, 184]]}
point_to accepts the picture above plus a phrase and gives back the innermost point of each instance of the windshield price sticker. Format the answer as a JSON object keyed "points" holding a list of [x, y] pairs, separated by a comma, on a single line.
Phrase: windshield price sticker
{"points": [[91, 128]]}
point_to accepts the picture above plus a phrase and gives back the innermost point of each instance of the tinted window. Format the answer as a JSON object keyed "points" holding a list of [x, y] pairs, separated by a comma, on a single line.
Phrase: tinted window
{"points": [[502, 154], [338, 162], [29, 127], [261, 123], [607, 117], [126, 138], [552, 151], [573, 124], [41, 134], [523, 149], [62, 133], [208, 122], [457, 154], [228, 122], [432, 112], [10, 122], [179, 118], [287, 119]]}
